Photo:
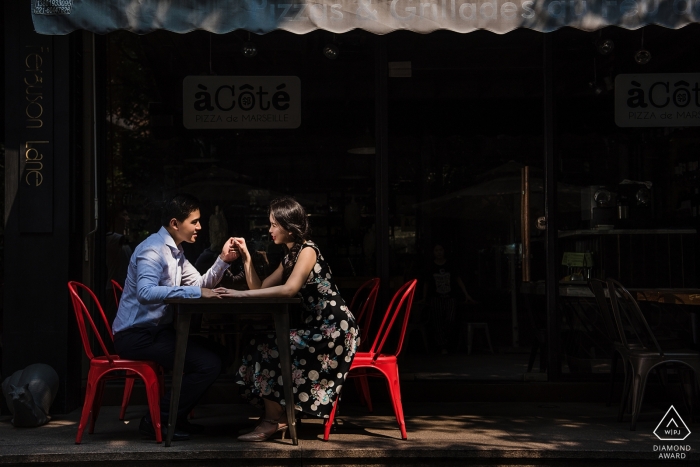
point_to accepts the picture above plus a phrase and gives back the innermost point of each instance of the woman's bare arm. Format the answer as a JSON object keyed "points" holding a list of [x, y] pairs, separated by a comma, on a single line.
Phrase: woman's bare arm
{"points": [[303, 267]]}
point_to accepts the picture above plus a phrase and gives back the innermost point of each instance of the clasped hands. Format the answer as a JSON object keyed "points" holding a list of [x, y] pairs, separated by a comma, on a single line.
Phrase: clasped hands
{"points": [[234, 248]]}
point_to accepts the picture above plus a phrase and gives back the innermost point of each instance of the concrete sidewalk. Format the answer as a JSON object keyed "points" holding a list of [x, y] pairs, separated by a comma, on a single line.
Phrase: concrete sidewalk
{"points": [[491, 433]]}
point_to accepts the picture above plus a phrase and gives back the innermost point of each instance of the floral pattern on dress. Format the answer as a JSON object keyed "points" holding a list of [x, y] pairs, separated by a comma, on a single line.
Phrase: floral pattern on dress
{"points": [[321, 354]]}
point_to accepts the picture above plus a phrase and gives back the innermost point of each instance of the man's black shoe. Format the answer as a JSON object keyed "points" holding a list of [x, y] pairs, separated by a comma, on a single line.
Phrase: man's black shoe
{"points": [[186, 426], [146, 429]]}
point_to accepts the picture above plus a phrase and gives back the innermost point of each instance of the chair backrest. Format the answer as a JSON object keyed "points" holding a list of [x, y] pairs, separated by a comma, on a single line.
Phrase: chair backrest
{"points": [[598, 287], [117, 289], [398, 310], [363, 303], [628, 316], [82, 315]]}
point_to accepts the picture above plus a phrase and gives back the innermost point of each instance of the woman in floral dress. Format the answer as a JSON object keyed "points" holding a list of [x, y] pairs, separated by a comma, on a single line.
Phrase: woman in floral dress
{"points": [[322, 351]]}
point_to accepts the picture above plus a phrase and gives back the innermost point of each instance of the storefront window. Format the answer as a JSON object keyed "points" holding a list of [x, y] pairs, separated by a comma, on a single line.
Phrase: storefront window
{"points": [[628, 184], [465, 117], [235, 170], [466, 120]]}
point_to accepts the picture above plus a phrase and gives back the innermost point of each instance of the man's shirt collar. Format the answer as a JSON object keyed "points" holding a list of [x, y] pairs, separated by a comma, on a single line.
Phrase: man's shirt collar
{"points": [[169, 241]]}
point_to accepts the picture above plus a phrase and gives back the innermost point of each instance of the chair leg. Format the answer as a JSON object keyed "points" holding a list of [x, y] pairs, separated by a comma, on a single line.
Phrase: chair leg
{"points": [[87, 409], [613, 373], [330, 420], [392, 374], [153, 395], [128, 387], [640, 381], [96, 404], [626, 390]]}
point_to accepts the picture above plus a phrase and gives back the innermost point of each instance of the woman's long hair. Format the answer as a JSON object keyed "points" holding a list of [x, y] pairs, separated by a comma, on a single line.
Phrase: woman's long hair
{"points": [[291, 216]]}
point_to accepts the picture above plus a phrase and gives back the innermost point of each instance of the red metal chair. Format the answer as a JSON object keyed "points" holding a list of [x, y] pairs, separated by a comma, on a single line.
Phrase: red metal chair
{"points": [[117, 289], [397, 314], [102, 366], [365, 299], [129, 385]]}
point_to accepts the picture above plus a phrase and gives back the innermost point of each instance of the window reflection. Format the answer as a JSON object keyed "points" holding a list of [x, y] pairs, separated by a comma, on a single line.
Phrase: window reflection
{"points": [[236, 172]]}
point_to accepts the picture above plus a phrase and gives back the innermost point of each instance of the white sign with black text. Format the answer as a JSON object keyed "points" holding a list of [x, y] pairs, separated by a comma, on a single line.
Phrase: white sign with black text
{"points": [[253, 102], [657, 100]]}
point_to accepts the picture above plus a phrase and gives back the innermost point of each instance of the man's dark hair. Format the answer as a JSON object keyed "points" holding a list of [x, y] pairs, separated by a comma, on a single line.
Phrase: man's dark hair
{"points": [[179, 207]]}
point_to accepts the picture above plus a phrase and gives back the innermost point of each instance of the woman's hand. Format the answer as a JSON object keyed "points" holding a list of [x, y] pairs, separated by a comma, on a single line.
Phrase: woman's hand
{"points": [[228, 293], [241, 247]]}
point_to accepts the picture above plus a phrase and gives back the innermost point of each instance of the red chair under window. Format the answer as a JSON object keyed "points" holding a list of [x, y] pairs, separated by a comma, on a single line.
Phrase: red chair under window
{"points": [[102, 367], [364, 300], [397, 314]]}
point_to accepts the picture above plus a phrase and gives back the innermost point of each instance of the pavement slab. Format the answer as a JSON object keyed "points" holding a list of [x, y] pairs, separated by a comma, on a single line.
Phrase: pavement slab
{"points": [[438, 434]]}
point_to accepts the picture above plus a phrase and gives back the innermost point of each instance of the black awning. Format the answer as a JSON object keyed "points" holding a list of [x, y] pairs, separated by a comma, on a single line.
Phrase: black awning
{"points": [[376, 16]]}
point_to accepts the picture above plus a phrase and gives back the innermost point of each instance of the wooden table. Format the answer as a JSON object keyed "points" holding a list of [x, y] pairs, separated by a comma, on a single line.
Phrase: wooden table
{"points": [[277, 307], [657, 295], [580, 289]]}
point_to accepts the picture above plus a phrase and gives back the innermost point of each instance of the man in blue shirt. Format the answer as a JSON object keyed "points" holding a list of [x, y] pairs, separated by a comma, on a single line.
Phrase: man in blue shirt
{"points": [[143, 328]]}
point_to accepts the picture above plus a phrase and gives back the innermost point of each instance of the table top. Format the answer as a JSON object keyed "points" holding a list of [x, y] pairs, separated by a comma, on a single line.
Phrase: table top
{"points": [[585, 232], [679, 296], [230, 301]]}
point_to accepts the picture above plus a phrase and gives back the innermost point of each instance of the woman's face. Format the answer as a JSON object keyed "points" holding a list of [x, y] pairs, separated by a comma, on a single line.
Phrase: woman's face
{"points": [[278, 234]]}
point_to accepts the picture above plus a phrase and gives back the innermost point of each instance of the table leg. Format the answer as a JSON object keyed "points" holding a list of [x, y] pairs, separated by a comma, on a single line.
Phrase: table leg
{"points": [[282, 332], [182, 328]]}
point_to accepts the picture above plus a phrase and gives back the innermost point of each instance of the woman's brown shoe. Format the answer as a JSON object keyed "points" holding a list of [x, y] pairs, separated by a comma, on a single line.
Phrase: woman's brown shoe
{"points": [[250, 428], [264, 431]]}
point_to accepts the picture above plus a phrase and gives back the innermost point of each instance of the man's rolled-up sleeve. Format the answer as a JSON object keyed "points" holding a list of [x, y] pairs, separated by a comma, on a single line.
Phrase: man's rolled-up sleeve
{"points": [[210, 279], [148, 273]]}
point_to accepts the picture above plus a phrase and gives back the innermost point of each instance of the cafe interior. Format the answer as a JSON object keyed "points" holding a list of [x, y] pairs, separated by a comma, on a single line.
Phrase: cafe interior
{"points": [[465, 124]]}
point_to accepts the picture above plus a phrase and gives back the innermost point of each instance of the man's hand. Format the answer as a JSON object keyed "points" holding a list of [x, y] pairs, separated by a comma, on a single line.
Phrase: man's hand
{"points": [[224, 292], [229, 252], [209, 293]]}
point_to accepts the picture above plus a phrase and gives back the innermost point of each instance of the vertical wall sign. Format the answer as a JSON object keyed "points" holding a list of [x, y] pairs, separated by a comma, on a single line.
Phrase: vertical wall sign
{"points": [[35, 184]]}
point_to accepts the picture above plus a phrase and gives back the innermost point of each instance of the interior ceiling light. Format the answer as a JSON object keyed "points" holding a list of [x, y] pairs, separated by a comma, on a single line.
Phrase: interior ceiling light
{"points": [[642, 56], [249, 49], [605, 46], [331, 51]]}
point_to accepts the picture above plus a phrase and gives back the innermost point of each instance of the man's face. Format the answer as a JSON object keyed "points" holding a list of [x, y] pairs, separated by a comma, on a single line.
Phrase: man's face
{"points": [[186, 231]]}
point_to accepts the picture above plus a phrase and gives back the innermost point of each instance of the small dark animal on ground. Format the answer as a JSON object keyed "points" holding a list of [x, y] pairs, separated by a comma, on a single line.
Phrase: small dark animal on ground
{"points": [[29, 394]]}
